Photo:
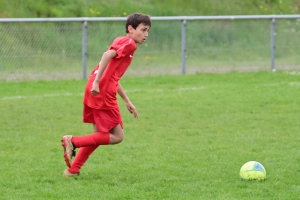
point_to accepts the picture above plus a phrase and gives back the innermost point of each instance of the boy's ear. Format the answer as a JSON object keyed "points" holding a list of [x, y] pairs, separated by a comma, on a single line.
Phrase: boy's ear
{"points": [[130, 28]]}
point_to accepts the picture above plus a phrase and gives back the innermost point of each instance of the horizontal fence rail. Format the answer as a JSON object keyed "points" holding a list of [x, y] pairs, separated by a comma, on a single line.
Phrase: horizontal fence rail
{"points": [[171, 18], [68, 48]]}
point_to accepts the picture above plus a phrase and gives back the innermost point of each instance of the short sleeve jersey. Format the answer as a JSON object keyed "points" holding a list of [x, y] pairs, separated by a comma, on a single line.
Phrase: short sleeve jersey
{"points": [[107, 98]]}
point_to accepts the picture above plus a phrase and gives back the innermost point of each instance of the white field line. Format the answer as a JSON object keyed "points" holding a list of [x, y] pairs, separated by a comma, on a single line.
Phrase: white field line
{"points": [[81, 94]]}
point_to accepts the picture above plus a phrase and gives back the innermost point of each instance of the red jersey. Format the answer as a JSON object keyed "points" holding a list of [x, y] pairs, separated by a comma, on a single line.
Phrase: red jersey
{"points": [[107, 98]]}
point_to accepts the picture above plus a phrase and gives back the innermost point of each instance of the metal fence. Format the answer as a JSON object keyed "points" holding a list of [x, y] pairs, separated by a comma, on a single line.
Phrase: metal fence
{"points": [[68, 48]]}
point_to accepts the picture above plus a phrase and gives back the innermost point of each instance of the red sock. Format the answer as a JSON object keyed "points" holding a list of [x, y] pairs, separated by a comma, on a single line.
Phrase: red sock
{"points": [[87, 145], [95, 139], [81, 158]]}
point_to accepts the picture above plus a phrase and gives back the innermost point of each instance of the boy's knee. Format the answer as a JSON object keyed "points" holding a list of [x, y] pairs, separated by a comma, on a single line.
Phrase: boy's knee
{"points": [[117, 139], [120, 139]]}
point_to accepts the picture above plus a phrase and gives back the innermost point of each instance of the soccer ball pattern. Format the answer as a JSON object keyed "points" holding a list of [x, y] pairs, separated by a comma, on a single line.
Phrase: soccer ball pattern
{"points": [[252, 170]]}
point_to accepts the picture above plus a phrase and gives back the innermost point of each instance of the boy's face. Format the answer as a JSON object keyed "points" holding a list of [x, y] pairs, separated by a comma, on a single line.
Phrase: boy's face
{"points": [[140, 34]]}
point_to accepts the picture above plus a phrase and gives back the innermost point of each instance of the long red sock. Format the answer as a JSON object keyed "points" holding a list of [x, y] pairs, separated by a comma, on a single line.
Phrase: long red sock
{"points": [[95, 139], [81, 158], [87, 145]]}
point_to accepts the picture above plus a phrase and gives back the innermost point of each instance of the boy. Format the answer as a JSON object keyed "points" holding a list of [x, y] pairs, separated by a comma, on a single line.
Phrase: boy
{"points": [[100, 102]]}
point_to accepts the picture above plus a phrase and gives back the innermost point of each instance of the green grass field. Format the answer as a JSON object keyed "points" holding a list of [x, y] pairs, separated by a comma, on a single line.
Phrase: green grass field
{"points": [[117, 8], [193, 135]]}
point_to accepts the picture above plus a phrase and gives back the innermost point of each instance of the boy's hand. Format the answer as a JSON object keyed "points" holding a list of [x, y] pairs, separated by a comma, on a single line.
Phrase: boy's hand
{"points": [[95, 89], [131, 108]]}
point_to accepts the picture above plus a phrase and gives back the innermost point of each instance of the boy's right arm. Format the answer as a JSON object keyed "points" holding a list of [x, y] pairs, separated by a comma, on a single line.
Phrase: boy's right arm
{"points": [[107, 56]]}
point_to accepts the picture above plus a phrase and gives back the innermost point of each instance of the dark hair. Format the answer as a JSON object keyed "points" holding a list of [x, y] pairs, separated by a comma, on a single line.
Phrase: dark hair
{"points": [[136, 19]]}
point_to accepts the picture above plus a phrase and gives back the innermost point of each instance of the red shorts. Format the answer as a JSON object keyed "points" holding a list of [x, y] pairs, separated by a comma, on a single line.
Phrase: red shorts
{"points": [[105, 120]]}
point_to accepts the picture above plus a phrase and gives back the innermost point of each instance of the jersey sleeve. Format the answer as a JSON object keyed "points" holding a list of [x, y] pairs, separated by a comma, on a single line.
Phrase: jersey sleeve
{"points": [[123, 48]]}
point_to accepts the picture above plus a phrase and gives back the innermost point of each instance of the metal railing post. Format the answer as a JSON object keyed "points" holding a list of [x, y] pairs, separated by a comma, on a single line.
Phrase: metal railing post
{"points": [[84, 49], [183, 46], [273, 34]]}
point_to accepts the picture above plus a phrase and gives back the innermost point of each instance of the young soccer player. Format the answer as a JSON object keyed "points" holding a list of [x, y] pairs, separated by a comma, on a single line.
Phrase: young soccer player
{"points": [[100, 102]]}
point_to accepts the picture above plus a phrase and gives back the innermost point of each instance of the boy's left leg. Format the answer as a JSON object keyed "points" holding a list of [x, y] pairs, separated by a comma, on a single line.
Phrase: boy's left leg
{"points": [[82, 156], [90, 143], [69, 149]]}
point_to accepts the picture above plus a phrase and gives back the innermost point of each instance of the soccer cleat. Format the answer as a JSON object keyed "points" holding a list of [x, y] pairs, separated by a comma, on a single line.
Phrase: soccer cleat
{"points": [[69, 151], [69, 174]]}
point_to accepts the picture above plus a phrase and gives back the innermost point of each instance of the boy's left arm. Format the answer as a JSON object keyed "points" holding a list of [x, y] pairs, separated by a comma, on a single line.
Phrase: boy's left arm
{"points": [[131, 108]]}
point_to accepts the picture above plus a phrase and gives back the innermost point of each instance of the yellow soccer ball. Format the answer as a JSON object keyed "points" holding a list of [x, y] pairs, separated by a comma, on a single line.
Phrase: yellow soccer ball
{"points": [[253, 170]]}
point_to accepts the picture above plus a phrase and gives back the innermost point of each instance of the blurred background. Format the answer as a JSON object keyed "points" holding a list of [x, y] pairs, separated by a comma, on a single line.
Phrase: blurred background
{"points": [[53, 50], [119, 8]]}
